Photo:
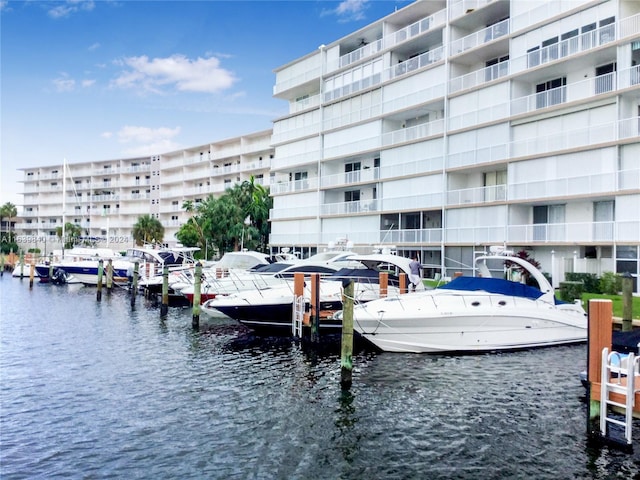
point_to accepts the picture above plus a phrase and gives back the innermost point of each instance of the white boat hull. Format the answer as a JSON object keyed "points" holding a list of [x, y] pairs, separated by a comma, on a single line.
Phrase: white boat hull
{"points": [[477, 322]]}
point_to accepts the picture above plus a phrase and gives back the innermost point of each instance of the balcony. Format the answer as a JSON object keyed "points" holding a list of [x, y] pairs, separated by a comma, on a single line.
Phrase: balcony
{"points": [[348, 178], [564, 187], [477, 195], [294, 186], [310, 75], [479, 77], [293, 212], [480, 37], [573, 233], [347, 208], [412, 236]]}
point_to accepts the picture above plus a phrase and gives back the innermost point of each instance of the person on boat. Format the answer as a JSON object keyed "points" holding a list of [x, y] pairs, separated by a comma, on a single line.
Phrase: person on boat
{"points": [[414, 277]]}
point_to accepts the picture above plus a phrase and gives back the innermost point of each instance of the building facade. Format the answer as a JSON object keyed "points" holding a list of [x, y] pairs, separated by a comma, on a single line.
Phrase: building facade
{"points": [[105, 198], [451, 126]]}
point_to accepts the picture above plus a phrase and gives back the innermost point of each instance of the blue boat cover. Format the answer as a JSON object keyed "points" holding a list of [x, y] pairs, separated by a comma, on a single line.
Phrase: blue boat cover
{"points": [[492, 285]]}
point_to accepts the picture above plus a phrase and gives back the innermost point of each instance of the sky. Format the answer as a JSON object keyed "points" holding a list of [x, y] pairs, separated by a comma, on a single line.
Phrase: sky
{"points": [[84, 80]]}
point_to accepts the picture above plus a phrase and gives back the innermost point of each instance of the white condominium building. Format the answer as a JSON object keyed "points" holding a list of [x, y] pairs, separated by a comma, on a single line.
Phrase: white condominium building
{"points": [[106, 197], [451, 126]]}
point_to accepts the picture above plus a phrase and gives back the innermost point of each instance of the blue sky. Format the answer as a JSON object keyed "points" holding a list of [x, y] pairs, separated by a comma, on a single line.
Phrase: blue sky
{"points": [[96, 80]]}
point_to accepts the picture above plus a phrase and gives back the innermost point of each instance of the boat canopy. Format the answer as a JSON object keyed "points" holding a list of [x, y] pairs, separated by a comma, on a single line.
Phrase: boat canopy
{"points": [[493, 285]]}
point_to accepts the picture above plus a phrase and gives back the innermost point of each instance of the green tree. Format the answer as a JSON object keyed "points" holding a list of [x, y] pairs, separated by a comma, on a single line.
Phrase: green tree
{"points": [[72, 234], [147, 230], [7, 244]]}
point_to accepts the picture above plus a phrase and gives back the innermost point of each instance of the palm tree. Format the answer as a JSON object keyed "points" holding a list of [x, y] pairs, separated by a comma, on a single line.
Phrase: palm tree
{"points": [[147, 230], [8, 210], [72, 233]]}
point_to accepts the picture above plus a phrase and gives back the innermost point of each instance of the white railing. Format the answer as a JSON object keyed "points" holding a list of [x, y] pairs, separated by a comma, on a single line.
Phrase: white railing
{"points": [[480, 37], [422, 236], [415, 29], [371, 143], [361, 53], [413, 167], [293, 133], [565, 48], [629, 179], [353, 117], [492, 193], [479, 77], [416, 132], [475, 156], [571, 232], [294, 186], [278, 163], [348, 178], [413, 202], [480, 115], [293, 212], [342, 208], [475, 235], [313, 74], [296, 106], [578, 185]]}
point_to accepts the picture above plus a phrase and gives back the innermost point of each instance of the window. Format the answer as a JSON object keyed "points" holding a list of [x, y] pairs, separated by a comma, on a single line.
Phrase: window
{"points": [[568, 46], [350, 197], [551, 92], [533, 57], [607, 30], [495, 183]]}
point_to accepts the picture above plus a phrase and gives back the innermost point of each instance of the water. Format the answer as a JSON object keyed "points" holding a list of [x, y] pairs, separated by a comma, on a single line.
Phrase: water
{"points": [[94, 390]]}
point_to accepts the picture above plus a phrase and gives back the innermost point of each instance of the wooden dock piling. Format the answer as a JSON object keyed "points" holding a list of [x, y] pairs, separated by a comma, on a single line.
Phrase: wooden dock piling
{"points": [[21, 264], [315, 307], [99, 286], [627, 305], [197, 283], [109, 276], [164, 308], [346, 357], [134, 284], [32, 272], [600, 336]]}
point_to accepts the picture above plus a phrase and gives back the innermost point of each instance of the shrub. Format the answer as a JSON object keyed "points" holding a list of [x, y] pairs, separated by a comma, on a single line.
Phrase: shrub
{"points": [[590, 281], [569, 291], [610, 283]]}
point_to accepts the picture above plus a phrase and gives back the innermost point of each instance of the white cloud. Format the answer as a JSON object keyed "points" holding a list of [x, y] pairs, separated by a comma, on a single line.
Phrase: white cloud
{"points": [[141, 141], [152, 75], [349, 10], [94, 46], [64, 83], [88, 82], [71, 6]]}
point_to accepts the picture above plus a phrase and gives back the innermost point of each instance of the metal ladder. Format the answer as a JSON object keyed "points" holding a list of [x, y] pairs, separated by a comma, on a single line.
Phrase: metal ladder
{"points": [[298, 316], [626, 368]]}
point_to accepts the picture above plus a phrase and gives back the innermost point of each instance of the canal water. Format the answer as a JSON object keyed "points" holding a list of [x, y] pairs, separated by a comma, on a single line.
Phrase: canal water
{"points": [[97, 390]]}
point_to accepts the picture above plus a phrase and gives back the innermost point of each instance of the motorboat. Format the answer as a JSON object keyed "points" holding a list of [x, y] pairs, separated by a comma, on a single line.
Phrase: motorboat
{"points": [[270, 310], [474, 314], [228, 277], [81, 265]]}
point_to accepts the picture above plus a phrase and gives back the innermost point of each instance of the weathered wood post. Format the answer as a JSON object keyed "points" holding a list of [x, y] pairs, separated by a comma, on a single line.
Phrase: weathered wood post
{"points": [[599, 336], [134, 284], [164, 308], [99, 286], [197, 282], [384, 284], [32, 272], [315, 307], [346, 357], [50, 266], [1, 263], [109, 276], [627, 310], [21, 263], [403, 283]]}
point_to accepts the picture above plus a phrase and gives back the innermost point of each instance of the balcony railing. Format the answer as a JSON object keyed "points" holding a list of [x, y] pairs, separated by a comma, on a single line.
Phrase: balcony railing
{"points": [[462, 7], [294, 186], [413, 133], [348, 178], [583, 232], [492, 193], [283, 85], [478, 77], [480, 37], [293, 212], [342, 208], [562, 187]]}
